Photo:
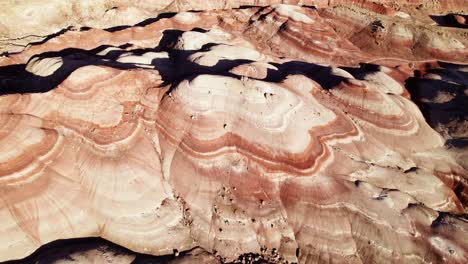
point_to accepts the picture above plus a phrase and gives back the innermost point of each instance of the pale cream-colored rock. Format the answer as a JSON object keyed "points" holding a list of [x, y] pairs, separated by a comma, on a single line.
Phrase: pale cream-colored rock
{"points": [[28, 21], [247, 133]]}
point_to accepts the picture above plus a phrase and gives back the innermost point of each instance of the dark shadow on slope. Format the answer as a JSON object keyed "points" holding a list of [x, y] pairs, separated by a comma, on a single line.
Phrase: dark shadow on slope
{"points": [[16, 79], [117, 28], [155, 19], [51, 36], [85, 28], [309, 7], [443, 101], [142, 23], [173, 68], [246, 7], [200, 30], [364, 70], [44, 40], [63, 250], [323, 75], [169, 39], [451, 20]]}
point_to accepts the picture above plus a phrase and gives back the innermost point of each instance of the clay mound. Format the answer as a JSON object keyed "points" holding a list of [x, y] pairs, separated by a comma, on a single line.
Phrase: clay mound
{"points": [[255, 133]]}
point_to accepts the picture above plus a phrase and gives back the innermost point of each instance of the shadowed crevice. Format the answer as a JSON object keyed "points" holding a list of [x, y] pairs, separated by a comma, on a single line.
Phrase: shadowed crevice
{"points": [[42, 41], [441, 94], [64, 249], [142, 23], [155, 19], [451, 20], [174, 69]]}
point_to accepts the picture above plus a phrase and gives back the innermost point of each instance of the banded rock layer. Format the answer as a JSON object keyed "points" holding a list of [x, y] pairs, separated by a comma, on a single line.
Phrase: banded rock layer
{"points": [[270, 130], [30, 21]]}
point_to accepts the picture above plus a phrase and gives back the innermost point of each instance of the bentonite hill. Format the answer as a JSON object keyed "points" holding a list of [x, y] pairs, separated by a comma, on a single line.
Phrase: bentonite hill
{"points": [[249, 131]]}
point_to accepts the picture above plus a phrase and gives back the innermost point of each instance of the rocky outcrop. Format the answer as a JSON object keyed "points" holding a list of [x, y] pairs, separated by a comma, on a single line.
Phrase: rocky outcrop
{"points": [[33, 21], [269, 133]]}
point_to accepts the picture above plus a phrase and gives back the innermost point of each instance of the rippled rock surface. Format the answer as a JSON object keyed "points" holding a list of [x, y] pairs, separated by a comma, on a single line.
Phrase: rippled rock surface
{"points": [[313, 132]]}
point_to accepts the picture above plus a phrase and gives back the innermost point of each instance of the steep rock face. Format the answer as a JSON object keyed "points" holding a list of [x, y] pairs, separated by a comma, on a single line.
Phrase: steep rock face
{"points": [[242, 131]]}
